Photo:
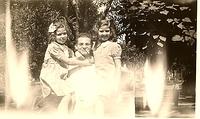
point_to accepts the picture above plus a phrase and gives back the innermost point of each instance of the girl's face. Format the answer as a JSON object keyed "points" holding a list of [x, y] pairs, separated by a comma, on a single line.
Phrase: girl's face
{"points": [[104, 33], [84, 43], [61, 35]]}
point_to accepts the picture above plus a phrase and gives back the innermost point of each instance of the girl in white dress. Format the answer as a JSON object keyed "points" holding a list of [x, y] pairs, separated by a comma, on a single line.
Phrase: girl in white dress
{"points": [[55, 68], [108, 64]]}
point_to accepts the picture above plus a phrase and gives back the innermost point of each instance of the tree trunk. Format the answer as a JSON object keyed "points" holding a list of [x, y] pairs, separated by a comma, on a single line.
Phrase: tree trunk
{"points": [[77, 12]]}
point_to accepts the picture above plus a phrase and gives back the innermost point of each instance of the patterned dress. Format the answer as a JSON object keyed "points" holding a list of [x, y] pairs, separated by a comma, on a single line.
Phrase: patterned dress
{"points": [[54, 72]]}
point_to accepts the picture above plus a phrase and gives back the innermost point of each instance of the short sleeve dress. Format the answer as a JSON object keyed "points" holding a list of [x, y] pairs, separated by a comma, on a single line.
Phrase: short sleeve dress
{"points": [[105, 66], [54, 72]]}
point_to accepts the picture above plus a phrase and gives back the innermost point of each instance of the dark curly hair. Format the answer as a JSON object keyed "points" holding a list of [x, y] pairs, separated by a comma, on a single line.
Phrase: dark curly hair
{"points": [[83, 35], [108, 22]]}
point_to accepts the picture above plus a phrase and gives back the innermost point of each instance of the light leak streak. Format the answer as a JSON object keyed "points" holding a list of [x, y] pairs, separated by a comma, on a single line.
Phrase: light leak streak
{"points": [[154, 78], [17, 67]]}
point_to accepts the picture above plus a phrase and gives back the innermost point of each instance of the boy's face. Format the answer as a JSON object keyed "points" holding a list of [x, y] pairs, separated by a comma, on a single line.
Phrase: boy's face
{"points": [[83, 43], [61, 35], [104, 33]]}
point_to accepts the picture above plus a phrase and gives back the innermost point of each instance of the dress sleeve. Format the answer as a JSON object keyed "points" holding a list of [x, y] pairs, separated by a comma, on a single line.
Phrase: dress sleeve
{"points": [[55, 51], [116, 51]]}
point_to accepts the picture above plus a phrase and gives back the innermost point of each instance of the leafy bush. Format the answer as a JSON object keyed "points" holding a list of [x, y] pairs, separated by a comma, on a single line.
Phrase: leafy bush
{"points": [[31, 19], [155, 25], [30, 22]]}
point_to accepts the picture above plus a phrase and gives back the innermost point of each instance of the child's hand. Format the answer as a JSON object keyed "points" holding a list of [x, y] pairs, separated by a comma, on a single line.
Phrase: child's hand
{"points": [[91, 60], [84, 52]]}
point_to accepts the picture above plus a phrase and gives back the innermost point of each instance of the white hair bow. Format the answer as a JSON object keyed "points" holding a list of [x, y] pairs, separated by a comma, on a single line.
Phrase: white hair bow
{"points": [[52, 28]]}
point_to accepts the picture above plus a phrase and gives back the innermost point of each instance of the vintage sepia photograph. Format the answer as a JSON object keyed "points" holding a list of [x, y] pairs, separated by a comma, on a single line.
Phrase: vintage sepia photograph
{"points": [[98, 59], [2, 55]]}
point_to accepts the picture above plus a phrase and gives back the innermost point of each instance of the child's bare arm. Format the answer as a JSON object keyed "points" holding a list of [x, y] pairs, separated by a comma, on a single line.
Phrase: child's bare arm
{"points": [[58, 54], [116, 54], [117, 63], [75, 61]]}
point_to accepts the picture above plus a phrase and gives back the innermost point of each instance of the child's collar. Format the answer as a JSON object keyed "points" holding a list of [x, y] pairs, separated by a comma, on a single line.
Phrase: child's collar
{"points": [[60, 43], [105, 44]]}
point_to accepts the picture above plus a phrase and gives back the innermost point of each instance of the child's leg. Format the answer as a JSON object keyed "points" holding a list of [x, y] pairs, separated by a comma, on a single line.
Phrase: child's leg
{"points": [[67, 104], [63, 106], [72, 103]]}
